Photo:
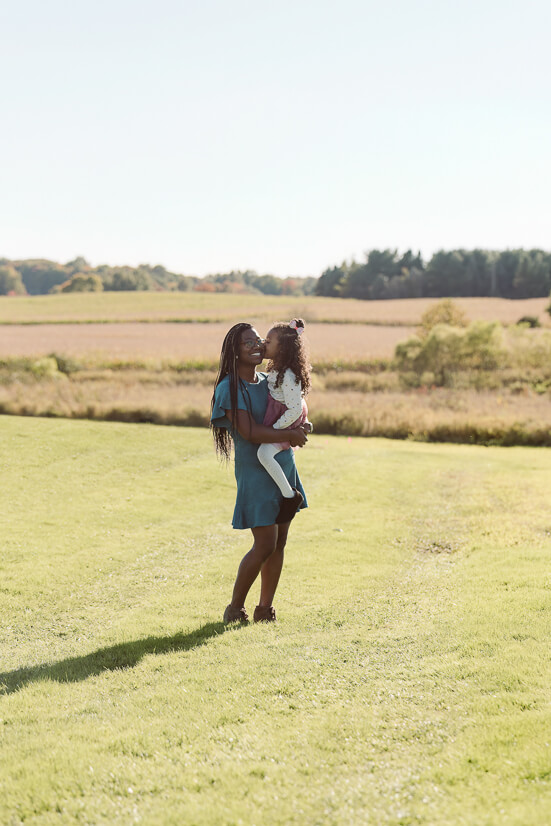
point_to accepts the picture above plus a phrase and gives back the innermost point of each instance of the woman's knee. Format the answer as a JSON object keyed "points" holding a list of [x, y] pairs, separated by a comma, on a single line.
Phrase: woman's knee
{"points": [[265, 541], [264, 550]]}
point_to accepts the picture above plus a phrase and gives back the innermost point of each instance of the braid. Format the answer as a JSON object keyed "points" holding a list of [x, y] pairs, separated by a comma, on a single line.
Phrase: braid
{"points": [[228, 367]]}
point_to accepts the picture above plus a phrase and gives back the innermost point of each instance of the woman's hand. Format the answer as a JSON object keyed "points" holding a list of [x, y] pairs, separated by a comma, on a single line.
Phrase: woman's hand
{"points": [[260, 433], [297, 437]]}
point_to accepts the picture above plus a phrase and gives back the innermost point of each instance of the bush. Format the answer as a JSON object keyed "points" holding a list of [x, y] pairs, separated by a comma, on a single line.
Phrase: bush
{"points": [[65, 364], [447, 350], [529, 321], [81, 283], [444, 312], [45, 368], [10, 281], [529, 348]]}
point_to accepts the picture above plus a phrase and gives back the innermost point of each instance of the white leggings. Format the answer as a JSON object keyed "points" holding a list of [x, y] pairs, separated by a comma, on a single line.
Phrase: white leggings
{"points": [[266, 457]]}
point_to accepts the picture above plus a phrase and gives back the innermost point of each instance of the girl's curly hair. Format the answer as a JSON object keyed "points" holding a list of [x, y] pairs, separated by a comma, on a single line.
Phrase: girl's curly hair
{"points": [[292, 353]]}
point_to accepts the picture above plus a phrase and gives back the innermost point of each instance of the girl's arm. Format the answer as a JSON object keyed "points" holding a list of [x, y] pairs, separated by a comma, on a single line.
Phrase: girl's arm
{"points": [[259, 433], [292, 399]]}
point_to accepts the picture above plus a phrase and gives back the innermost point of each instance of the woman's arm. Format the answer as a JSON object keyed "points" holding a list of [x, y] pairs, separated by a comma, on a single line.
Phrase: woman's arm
{"points": [[260, 433]]}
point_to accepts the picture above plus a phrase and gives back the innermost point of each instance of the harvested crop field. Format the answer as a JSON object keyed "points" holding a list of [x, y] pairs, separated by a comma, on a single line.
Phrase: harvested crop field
{"points": [[187, 341], [261, 309]]}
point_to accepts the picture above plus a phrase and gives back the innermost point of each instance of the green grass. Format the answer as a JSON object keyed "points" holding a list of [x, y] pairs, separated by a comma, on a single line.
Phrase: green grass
{"points": [[406, 681]]}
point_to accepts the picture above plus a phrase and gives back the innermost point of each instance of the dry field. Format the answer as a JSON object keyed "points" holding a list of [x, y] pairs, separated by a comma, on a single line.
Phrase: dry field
{"points": [[356, 400], [259, 309], [440, 415], [186, 342]]}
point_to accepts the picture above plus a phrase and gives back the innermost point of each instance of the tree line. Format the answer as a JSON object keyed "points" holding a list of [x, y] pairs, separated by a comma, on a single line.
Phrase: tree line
{"points": [[388, 274], [384, 274], [40, 276]]}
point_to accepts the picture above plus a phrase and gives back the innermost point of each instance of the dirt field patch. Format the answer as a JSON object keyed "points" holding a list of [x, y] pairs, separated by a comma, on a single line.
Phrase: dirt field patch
{"points": [[187, 341]]}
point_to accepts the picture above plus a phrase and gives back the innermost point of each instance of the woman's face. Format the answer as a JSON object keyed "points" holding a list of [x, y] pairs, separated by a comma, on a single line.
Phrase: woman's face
{"points": [[271, 344], [251, 348]]}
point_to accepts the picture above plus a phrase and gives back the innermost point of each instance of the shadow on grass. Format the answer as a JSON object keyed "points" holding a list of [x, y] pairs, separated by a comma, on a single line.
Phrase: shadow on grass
{"points": [[124, 655]]}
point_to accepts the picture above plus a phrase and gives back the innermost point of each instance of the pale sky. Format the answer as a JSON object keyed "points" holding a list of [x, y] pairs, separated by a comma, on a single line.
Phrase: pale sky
{"points": [[284, 136]]}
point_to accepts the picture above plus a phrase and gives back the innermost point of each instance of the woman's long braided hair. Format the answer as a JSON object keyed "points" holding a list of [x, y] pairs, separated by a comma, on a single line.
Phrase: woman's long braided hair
{"points": [[292, 353], [228, 367]]}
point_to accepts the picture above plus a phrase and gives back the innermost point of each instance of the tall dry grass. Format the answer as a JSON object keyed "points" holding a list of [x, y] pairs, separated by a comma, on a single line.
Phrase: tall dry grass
{"points": [[168, 398]]}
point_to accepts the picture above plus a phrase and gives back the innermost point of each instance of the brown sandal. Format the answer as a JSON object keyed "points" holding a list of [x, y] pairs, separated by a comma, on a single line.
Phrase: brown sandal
{"points": [[235, 615], [264, 613]]}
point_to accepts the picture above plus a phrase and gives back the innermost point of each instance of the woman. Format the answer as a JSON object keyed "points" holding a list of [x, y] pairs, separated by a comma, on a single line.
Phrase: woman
{"points": [[237, 410]]}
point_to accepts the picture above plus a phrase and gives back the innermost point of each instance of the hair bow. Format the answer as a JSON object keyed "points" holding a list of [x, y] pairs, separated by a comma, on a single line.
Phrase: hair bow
{"points": [[293, 325]]}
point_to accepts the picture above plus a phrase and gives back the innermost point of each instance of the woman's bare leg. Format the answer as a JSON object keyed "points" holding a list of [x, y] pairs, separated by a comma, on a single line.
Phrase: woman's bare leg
{"points": [[265, 542], [271, 569]]}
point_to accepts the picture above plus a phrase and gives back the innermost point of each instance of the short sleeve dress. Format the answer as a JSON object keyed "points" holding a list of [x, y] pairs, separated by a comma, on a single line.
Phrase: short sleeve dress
{"points": [[258, 497]]}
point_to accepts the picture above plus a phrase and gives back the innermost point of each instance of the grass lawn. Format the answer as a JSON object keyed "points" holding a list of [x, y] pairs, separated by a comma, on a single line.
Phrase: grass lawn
{"points": [[407, 680]]}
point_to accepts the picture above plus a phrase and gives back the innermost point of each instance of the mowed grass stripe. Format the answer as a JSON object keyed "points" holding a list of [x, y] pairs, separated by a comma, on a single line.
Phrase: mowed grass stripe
{"points": [[406, 680], [86, 525]]}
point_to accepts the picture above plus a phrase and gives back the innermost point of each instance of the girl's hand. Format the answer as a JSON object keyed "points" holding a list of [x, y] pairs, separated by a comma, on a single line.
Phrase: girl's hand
{"points": [[297, 437], [308, 427]]}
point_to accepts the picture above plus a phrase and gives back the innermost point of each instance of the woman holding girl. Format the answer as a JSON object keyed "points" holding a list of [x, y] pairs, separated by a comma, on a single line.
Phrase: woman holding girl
{"points": [[238, 409]]}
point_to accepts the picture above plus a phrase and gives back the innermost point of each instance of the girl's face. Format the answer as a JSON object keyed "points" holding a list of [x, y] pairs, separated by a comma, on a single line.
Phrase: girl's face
{"points": [[271, 345], [251, 350]]}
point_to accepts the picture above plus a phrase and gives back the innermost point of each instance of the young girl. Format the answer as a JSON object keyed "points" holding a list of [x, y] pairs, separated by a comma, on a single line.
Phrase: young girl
{"points": [[288, 383]]}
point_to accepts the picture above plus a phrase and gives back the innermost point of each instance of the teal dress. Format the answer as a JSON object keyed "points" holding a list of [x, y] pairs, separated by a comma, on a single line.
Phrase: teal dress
{"points": [[258, 496]]}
